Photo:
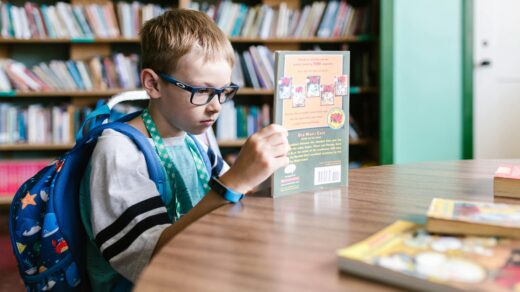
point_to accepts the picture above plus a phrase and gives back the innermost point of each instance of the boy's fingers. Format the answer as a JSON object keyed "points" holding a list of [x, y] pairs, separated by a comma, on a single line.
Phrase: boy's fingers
{"points": [[280, 150], [271, 129], [276, 138]]}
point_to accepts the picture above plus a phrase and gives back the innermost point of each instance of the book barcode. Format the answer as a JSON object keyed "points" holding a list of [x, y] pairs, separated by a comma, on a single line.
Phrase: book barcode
{"points": [[327, 175]]}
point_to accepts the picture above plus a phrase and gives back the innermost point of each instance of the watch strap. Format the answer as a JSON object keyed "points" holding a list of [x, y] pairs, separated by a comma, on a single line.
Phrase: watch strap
{"points": [[228, 194]]}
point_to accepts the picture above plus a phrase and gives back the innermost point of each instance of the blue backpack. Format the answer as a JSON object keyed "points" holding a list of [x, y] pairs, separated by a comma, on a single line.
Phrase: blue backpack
{"points": [[47, 234]]}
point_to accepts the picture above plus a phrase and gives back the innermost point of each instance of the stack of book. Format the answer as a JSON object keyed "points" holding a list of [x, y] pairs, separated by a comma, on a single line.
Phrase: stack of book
{"points": [[75, 21], [319, 19], [465, 246], [98, 73], [506, 182]]}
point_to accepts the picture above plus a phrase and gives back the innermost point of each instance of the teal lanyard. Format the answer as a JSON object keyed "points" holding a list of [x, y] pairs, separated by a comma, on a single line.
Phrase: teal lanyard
{"points": [[179, 189]]}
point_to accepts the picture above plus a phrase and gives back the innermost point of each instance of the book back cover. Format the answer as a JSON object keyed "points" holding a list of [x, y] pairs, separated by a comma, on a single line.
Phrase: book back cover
{"points": [[312, 102]]}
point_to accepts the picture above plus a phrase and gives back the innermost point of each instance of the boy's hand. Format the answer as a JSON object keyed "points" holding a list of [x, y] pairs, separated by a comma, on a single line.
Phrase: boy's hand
{"points": [[262, 154]]}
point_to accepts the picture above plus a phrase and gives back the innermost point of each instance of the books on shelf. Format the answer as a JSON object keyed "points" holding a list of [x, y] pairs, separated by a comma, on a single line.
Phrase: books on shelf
{"points": [[406, 255], [473, 218], [76, 21], [321, 19], [506, 182], [98, 73], [39, 124], [237, 122], [254, 68], [13, 173]]}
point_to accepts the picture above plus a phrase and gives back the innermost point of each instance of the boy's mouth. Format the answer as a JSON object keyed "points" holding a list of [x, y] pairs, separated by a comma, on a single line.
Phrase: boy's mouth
{"points": [[208, 122]]}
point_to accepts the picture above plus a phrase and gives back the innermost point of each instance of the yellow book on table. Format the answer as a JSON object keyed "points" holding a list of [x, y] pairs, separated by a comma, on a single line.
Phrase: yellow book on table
{"points": [[473, 218], [406, 255], [506, 182]]}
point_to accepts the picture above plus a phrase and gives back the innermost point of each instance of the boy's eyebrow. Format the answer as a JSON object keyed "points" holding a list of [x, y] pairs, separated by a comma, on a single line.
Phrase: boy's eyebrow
{"points": [[212, 86]]}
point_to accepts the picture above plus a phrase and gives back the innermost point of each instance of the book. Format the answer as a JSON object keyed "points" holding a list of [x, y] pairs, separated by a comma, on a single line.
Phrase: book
{"points": [[473, 218], [406, 255], [315, 117], [506, 182]]}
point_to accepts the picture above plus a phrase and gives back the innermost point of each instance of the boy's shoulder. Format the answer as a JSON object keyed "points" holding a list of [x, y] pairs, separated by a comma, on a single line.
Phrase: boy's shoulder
{"points": [[112, 142]]}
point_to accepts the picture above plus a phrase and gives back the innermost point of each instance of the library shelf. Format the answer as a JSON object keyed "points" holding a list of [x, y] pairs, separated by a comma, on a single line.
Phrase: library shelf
{"points": [[289, 40], [67, 40], [6, 199], [75, 93], [111, 92], [35, 147], [231, 143]]}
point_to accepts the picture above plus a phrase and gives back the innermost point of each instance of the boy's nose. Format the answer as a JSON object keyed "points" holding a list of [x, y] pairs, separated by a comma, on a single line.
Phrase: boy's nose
{"points": [[214, 105]]}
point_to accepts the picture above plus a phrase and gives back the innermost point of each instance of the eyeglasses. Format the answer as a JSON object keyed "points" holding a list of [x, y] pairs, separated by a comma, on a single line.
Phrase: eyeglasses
{"points": [[203, 95]]}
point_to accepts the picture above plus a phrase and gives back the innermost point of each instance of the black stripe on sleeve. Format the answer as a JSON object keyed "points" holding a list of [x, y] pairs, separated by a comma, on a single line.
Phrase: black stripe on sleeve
{"points": [[218, 168], [127, 217], [123, 243]]}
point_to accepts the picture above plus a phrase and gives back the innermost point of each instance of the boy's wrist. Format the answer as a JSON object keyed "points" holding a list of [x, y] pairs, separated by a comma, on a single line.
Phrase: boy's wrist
{"points": [[231, 182]]}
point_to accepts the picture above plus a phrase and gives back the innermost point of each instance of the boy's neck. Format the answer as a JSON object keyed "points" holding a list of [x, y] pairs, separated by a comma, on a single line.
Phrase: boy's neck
{"points": [[163, 127]]}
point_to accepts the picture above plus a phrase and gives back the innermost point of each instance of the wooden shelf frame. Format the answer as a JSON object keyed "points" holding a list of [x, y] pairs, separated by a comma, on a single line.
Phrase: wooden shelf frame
{"points": [[35, 147], [111, 92], [5, 199], [289, 40]]}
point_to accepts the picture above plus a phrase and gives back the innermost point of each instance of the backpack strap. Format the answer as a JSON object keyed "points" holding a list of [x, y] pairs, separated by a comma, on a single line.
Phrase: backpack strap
{"points": [[213, 162], [152, 161], [97, 117], [93, 120]]}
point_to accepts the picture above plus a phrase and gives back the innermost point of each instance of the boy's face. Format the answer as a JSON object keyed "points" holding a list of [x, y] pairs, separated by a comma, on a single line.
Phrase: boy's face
{"points": [[174, 104]]}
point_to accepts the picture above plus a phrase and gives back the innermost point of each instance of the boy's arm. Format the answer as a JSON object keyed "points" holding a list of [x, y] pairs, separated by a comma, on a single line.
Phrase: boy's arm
{"points": [[210, 202], [262, 154]]}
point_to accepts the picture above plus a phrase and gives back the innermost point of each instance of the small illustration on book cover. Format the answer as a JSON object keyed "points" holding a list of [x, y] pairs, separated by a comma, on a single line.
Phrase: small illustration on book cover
{"points": [[298, 98], [327, 95], [341, 82], [313, 86], [285, 87]]}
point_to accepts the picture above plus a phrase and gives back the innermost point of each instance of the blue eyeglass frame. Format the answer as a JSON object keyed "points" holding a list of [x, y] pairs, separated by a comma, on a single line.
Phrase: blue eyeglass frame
{"points": [[194, 89]]}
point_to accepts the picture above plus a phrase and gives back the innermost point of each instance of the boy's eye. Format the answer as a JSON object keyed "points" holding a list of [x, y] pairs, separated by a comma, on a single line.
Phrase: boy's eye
{"points": [[204, 91]]}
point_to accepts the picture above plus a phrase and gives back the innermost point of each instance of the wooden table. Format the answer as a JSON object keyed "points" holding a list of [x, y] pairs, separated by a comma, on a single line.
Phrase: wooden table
{"points": [[290, 243]]}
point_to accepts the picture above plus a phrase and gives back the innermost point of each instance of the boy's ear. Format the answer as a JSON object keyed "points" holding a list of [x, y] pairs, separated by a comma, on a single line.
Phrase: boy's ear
{"points": [[150, 82]]}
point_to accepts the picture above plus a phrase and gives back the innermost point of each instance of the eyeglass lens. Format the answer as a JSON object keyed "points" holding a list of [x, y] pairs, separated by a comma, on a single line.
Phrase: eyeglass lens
{"points": [[204, 96]]}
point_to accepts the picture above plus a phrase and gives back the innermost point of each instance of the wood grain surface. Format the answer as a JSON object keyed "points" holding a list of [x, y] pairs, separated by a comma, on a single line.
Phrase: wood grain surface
{"points": [[290, 243]]}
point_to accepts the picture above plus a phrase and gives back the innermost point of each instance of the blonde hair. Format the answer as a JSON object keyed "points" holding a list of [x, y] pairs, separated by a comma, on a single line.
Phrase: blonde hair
{"points": [[166, 38]]}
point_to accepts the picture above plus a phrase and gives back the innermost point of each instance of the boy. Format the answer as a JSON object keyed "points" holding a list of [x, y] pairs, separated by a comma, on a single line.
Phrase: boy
{"points": [[186, 71]]}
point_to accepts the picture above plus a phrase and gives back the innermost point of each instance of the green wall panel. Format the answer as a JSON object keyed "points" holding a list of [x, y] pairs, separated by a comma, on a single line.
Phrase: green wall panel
{"points": [[427, 80]]}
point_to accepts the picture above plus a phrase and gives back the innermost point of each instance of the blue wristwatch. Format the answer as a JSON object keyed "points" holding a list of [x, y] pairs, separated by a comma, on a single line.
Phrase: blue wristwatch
{"points": [[224, 191]]}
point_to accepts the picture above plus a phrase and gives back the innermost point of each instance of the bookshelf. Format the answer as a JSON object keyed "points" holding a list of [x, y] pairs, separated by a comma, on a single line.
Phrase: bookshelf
{"points": [[364, 94]]}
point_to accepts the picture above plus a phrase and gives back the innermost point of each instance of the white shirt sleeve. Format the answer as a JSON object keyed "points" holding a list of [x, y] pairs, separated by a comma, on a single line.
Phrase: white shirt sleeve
{"points": [[128, 214]]}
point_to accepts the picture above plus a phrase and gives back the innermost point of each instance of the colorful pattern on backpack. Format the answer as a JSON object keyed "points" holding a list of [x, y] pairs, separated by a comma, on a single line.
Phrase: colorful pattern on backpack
{"points": [[45, 260], [47, 234]]}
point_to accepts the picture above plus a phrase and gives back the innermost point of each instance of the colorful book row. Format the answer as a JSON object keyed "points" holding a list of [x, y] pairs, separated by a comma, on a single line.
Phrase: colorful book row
{"points": [[254, 68], [13, 173], [321, 19], [75, 21], [98, 73], [39, 124]]}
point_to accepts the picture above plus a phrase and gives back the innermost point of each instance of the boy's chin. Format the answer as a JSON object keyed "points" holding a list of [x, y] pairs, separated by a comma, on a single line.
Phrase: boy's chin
{"points": [[197, 130]]}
